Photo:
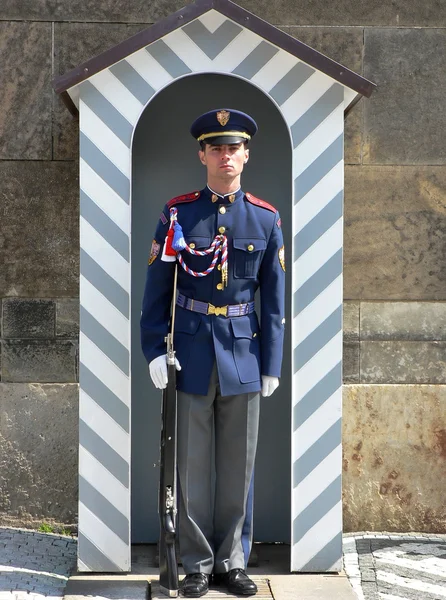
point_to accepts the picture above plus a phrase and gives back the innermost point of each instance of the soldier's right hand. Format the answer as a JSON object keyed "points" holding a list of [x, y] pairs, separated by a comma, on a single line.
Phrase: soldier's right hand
{"points": [[158, 371]]}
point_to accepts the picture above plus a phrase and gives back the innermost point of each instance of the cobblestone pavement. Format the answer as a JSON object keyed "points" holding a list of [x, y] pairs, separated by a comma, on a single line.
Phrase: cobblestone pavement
{"points": [[383, 566], [34, 564], [396, 566]]}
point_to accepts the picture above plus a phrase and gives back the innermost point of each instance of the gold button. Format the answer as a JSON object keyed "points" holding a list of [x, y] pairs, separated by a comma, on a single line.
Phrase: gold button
{"points": [[222, 210], [219, 267], [254, 335], [192, 245], [250, 248], [219, 286], [222, 229]]}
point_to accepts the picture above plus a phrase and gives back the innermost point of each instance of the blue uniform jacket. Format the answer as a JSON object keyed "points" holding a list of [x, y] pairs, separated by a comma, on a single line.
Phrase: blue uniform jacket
{"points": [[243, 352]]}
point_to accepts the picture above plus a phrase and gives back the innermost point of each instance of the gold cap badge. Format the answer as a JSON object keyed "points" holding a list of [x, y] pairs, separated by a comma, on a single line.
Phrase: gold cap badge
{"points": [[223, 117]]}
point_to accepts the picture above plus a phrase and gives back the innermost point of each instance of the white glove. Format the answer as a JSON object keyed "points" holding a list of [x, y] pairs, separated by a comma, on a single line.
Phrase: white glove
{"points": [[158, 371], [269, 385]]}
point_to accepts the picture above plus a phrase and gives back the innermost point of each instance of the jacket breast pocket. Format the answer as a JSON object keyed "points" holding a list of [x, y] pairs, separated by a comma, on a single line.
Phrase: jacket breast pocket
{"points": [[248, 253], [197, 242]]}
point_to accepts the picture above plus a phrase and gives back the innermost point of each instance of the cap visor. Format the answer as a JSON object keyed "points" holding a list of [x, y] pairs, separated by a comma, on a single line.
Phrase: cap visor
{"points": [[225, 139]]}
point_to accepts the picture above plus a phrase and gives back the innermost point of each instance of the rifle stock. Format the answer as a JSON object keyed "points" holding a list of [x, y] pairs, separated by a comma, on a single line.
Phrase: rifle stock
{"points": [[167, 507]]}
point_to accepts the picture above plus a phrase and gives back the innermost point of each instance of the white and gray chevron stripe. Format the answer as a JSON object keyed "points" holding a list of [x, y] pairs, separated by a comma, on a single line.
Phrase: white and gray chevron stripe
{"points": [[111, 102]]}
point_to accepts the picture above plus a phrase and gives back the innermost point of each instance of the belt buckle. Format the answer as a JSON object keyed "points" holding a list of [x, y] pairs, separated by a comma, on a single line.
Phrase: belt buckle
{"points": [[217, 310]]}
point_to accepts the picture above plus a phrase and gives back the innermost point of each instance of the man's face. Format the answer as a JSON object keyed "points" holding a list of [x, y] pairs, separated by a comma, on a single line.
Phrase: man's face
{"points": [[225, 161]]}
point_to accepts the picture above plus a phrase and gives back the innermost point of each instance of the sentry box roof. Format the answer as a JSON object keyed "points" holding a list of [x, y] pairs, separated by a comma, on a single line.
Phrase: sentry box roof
{"points": [[211, 25]]}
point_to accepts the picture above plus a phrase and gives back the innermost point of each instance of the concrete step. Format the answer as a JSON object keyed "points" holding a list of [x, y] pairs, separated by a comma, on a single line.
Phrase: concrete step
{"points": [[275, 587], [271, 575]]}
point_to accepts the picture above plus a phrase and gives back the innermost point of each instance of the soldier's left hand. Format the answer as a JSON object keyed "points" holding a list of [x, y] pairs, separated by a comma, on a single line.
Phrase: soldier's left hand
{"points": [[269, 384]]}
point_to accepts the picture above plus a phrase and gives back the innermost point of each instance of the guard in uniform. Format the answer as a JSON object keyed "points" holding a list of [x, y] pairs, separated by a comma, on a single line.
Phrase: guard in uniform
{"points": [[227, 244]]}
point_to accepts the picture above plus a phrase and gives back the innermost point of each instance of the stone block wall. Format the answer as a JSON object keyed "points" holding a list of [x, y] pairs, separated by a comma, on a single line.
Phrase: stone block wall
{"points": [[39, 340], [395, 253], [395, 342], [38, 410]]}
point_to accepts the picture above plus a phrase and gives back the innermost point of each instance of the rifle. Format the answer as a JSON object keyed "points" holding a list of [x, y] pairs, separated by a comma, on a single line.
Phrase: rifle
{"points": [[167, 504]]}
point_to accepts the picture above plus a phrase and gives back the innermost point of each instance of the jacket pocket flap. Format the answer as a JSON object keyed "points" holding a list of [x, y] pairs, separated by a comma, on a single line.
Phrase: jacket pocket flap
{"points": [[200, 241], [241, 327], [249, 244]]}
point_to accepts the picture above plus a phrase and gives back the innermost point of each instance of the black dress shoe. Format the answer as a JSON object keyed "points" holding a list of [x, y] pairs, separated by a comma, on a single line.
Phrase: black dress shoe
{"points": [[195, 585], [237, 582]]}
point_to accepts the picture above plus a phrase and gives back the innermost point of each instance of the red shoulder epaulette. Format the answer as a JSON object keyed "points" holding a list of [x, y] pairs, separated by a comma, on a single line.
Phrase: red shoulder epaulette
{"points": [[259, 202], [184, 198]]}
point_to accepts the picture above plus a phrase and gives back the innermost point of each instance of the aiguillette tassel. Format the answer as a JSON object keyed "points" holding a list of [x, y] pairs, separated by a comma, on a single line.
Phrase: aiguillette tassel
{"points": [[179, 243], [169, 254]]}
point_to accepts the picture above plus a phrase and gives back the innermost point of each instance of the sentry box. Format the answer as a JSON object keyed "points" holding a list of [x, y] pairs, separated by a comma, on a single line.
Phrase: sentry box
{"points": [[135, 104]]}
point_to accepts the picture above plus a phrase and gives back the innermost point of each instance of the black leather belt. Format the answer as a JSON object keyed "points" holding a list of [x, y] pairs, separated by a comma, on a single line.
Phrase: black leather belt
{"points": [[205, 308]]}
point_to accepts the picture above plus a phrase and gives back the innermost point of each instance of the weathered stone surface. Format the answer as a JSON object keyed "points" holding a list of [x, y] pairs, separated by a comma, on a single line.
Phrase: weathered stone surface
{"points": [[67, 317], [395, 227], [403, 123], [39, 235], [25, 90], [394, 458], [105, 10], [145, 12], [74, 43], [318, 12], [66, 10], [353, 134], [28, 318], [38, 452], [344, 45], [130, 11], [403, 362], [350, 363], [403, 320], [350, 320], [30, 10], [46, 361], [346, 12]]}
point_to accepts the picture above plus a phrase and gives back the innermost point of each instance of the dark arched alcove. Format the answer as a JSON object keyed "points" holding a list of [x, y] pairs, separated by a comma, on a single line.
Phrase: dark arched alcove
{"points": [[165, 164]]}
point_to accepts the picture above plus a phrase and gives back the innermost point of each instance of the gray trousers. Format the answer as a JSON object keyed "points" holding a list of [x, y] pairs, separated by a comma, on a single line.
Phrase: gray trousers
{"points": [[215, 525]]}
